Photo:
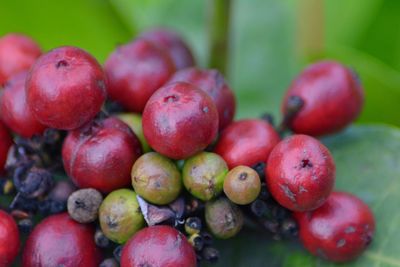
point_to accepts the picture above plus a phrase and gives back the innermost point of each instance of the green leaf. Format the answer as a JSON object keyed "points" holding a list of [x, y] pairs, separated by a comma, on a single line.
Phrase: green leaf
{"points": [[367, 160]]}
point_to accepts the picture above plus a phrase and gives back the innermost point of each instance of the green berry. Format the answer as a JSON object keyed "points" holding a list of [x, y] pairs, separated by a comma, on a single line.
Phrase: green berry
{"points": [[242, 185], [134, 122], [224, 219], [203, 175], [193, 225], [156, 178], [120, 216]]}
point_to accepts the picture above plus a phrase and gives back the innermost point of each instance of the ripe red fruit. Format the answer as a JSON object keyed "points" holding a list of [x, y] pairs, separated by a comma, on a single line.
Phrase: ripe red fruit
{"points": [[66, 88], [173, 44], [300, 173], [14, 110], [213, 83], [5, 144], [9, 239], [340, 230], [158, 246], [135, 71], [247, 142], [17, 53], [100, 155], [180, 120], [60, 241], [333, 98]]}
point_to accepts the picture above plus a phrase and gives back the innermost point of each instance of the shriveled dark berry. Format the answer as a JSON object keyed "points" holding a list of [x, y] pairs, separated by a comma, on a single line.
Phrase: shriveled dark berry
{"points": [[117, 252], [84, 204], [196, 241], [210, 254], [110, 262], [32, 182], [25, 225], [101, 240]]}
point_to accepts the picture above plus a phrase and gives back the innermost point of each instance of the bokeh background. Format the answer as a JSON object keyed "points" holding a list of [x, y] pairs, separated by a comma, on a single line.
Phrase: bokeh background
{"points": [[270, 41]]}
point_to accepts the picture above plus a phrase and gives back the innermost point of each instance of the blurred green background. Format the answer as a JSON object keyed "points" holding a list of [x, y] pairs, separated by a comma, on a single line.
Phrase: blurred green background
{"points": [[270, 41]]}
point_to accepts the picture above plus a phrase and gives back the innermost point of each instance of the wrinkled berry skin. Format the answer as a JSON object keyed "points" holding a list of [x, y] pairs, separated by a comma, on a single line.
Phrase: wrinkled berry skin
{"points": [[5, 144], [9, 239], [340, 230], [300, 173], [60, 241], [66, 88], [247, 142], [101, 154], [213, 83], [180, 120], [14, 110], [333, 98], [173, 44], [17, 53], [158, 246], [135, 71]]}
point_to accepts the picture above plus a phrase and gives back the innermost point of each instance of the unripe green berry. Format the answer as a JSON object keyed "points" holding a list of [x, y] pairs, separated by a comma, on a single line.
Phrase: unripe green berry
{"points": [[120, 216], [203, 175], [242, 185], [223, 218], [134, 122], [156, 178]]}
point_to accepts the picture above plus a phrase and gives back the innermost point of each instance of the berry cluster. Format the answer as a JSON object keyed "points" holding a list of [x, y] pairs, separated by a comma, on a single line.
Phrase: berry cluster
{"points": [[140, 162]]}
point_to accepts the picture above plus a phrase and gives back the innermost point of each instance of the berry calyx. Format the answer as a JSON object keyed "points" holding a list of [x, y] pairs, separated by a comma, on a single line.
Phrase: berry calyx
{"points": [[135, 71], [332, 98], [120, 216], [180, 120], [57, 80], [213, 83], [158, 246], [173, 44], [5, 144], [340, 230], [156, 178], [300, 173], [14, 109], [242, 185], [17, 53], [60, 241], [204, 174], [100, 155], [9, 239], [247, 142]]}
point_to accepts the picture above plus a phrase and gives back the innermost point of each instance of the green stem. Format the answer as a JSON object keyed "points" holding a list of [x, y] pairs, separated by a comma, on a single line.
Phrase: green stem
{"points": [[219, 17]]}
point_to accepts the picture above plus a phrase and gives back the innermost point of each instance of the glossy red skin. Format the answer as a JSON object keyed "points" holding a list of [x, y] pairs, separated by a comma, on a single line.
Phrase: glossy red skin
{"points": [[17, 53], [213, 83], [5, 144], [340, 230], [60, 241], [14, 110], [135, 71], [158, 246], [333, 98], [101, 155], [180, 120], [173, 44], [247, 142], [9, 239], [66, 96], [300, 173]]}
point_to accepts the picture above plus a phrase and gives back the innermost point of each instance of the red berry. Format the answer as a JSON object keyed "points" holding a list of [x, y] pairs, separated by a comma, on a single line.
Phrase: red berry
{"points": [[173, 44], [158, 246], [9, 239], [17, 53], [332, 95], [135, 71], [213, 83], [66, 88], [100, 155], [180, 120], [5, 144], [60, 241], [247, 142], [340, 230], [14, 110], [300, 173]]}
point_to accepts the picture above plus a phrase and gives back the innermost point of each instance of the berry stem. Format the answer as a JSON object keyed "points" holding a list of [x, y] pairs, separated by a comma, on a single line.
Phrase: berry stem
{"points": [[219, 17]]}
